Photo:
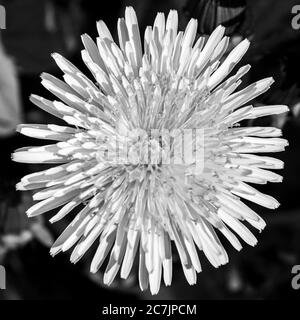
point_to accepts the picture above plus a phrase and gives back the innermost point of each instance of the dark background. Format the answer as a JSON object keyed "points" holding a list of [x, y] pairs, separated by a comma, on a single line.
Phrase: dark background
{"points": [[35, 29]]}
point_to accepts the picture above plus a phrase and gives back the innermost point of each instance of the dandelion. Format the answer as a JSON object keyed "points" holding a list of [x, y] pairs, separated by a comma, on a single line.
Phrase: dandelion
{"points": [[142, 210]]}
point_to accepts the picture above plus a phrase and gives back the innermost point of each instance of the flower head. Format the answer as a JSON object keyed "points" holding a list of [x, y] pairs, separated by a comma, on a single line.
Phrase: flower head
{"points": [[169, 99]]}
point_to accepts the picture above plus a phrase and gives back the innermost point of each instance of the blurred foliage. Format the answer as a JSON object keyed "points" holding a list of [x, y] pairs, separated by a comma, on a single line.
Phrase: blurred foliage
{"points": [[211, 13]]}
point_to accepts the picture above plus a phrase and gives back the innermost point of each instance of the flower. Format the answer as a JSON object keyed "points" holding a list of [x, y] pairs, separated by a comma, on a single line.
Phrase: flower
{"points": [[173, 84]]}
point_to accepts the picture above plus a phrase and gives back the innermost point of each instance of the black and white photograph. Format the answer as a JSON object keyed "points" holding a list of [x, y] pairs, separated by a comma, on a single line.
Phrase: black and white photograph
{"points": [[149, 154]]}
